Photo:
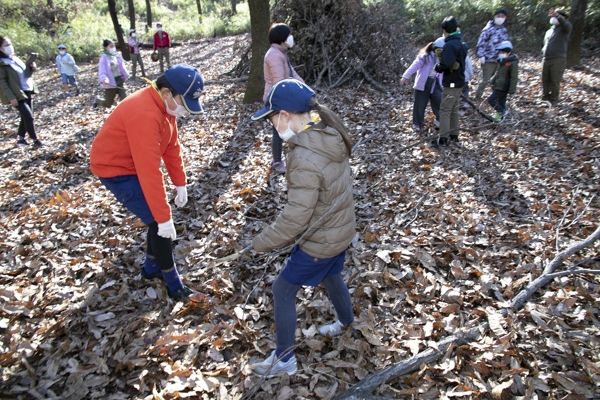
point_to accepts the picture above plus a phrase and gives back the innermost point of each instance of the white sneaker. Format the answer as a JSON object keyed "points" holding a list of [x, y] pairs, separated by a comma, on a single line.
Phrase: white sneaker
{"points": [[272, 367], [332, 329]]}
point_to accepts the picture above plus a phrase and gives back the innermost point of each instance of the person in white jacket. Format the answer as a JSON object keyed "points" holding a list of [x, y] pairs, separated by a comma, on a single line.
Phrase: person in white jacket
{"points": [[67, 68]]}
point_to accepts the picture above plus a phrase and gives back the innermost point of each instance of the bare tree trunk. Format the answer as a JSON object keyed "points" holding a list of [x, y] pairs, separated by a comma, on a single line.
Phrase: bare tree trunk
{"points": [[112, 10], [578, 8], [233, 9], [260, 18], [199, 10], [131, 14], [149, 15]]}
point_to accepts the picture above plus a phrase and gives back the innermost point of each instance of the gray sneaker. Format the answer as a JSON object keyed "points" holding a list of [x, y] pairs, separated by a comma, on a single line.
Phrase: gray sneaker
{"points": [[272, 367]]}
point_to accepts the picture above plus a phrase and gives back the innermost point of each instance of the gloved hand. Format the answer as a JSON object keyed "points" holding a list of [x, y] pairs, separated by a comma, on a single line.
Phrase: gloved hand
{"points": [[181, 198], [167, 230], [482, 60], [106, 80]]}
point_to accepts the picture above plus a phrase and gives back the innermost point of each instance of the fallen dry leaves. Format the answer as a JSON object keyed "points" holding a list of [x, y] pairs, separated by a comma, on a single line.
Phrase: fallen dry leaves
{"points": [[444, 239]]}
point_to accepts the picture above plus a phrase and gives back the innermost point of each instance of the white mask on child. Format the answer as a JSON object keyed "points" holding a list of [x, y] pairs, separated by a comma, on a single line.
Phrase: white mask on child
{"points": [[502, 56], [133, 35], [554, 21], [179, 111], [290, 41], [499, 20], [287, 134], [8, 50], [63, 52]]}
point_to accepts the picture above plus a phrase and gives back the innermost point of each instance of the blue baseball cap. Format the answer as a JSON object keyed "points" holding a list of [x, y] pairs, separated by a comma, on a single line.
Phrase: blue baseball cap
{"points": [[439, 42], [188, 83], [62, 46], [289, 95], [505, 45]]}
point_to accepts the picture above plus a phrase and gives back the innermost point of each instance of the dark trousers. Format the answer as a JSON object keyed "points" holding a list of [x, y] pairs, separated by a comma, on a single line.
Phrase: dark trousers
{"points": [[552, 74], [498, 100], [110, 94], [276, 146], [25, 108], [284, 299], [160, 248], [422, 97]]}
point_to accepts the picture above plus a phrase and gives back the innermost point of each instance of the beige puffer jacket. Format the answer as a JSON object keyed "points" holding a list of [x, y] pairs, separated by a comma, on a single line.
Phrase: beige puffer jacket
{"points": [[318, 175]]}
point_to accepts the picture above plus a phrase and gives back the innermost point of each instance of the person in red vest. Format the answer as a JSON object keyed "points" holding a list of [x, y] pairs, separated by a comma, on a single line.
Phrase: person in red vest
{"points": [[161, 45]]}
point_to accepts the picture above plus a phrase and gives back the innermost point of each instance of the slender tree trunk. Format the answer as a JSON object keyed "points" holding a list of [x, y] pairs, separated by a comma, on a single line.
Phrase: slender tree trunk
{"points": [[112, 10], [131, 15], [578, 8], [199, 10], [148, 15], [260, 19], [233, 9]]}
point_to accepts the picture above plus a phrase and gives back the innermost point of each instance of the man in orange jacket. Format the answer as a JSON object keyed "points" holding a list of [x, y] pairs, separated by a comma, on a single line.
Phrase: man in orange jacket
{"points": [[126, 155]]}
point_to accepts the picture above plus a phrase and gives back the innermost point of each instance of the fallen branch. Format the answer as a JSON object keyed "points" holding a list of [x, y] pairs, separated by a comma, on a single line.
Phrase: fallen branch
{"points": [[365, 388], [476, 107], [372, 81]]}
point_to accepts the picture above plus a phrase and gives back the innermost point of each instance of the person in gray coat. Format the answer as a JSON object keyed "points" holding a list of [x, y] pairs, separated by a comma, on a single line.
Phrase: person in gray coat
{"points": [[555, 54], [319, 215]]}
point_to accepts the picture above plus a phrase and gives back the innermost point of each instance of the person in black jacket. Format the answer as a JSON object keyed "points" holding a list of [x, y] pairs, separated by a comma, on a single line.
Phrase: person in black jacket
{"points": [[452, 64]]}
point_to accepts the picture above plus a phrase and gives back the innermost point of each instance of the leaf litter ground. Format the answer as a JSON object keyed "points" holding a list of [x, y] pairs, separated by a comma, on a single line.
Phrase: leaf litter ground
{"points": [[444, 239]]}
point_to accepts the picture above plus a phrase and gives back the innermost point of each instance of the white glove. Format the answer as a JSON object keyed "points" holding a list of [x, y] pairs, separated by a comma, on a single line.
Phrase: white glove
{"points": [[167, 230], [106, 80], [482, 60], [181, 198]]}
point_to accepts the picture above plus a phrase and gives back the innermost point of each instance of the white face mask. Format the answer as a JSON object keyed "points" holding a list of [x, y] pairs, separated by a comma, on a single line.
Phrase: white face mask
{"points": [[112, 50], [502, 56], [62, 51], [287, 134], [159, 30], [179, 111], [289, 41], [499, 20], [133, 35], [8, 50], [554, 21]]}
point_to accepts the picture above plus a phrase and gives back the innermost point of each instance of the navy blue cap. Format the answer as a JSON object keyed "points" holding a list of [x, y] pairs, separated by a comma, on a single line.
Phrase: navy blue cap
{"points": [[289, 95], [188, 83]]}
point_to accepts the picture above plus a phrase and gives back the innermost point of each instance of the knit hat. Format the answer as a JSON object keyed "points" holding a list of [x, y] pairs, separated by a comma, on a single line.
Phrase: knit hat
{"points": [[506, 45], [289, 95], [188, 83], [501, 11]]}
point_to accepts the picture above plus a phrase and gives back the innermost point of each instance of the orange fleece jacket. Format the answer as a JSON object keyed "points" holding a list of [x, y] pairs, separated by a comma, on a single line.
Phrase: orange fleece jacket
{"points": [[133, 140]]}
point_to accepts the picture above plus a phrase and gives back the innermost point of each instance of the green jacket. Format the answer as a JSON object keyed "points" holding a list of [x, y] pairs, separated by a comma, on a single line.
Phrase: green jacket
{"points": [[10, 84], [507, 75]]}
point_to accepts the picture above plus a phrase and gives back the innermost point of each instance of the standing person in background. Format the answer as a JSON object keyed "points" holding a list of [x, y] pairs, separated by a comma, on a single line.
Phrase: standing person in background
{"points": [[67, 69], [134, 51], [428, 83], [452, 65], [555, 54], [277, 67], [128, 152], [469, 72], [16, 88], [161, 45], [320, 209], [491, 36], [111, 75]]}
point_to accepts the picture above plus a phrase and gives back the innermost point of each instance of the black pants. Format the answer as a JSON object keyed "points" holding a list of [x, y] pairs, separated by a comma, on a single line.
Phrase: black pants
{"points": [[422, 97], [25, 108], [160, 248], [498, 100], [276, 145]]}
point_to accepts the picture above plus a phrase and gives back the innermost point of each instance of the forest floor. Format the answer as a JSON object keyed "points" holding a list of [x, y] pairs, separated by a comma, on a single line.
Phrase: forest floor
{"points": [[446, 237]]}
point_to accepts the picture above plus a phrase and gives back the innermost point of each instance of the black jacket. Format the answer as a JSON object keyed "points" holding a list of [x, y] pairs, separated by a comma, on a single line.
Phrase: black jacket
{"points": [[453, 52]]}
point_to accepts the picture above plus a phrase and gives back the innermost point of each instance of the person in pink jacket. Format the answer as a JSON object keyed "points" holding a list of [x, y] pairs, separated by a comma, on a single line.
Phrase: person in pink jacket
{"points": [[111, 75], [277, 67]]}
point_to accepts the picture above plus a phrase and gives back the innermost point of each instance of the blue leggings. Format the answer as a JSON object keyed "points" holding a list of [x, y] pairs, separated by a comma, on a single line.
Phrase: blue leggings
{"points": [[284, 297]]}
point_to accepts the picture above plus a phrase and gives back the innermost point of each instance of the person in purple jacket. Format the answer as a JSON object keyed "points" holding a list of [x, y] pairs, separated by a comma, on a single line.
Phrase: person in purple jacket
{"points": [[428, 83], [111, 75]]}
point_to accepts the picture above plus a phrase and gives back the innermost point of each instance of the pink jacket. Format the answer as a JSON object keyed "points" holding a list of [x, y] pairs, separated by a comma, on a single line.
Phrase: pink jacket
{"points": [[105, 72], [277, 67]]}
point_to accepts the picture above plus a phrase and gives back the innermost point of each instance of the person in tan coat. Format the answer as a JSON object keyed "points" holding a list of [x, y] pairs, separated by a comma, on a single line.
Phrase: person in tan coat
{"points": [[277, 67], [319, 215]]}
